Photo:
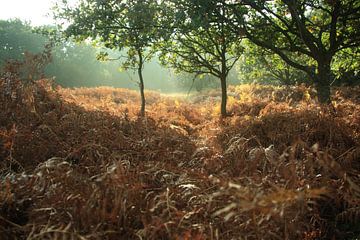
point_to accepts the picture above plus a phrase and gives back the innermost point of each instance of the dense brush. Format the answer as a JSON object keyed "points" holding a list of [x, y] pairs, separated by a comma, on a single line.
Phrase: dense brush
{"points": [[80, 164]]}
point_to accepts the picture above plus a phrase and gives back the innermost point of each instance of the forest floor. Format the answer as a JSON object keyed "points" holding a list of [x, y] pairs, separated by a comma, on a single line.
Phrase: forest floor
{"points": [[80, 164]]}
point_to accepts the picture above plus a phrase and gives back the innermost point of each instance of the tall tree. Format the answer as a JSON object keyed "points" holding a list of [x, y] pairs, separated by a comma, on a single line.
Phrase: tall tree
{"points": [[116, 24], [200, 43], [317, 29]]}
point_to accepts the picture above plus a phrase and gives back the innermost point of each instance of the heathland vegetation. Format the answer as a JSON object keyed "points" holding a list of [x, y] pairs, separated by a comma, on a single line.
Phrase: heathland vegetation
{"points": [[266, 145]]}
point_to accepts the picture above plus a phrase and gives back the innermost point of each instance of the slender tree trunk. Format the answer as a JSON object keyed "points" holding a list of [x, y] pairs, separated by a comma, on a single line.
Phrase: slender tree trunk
{"points": [[223, 75], [223, 95], [323, 81], [141, 83]]}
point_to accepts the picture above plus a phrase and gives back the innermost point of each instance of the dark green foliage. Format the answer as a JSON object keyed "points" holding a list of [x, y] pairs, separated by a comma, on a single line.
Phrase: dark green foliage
{"points": [[317, 30]]}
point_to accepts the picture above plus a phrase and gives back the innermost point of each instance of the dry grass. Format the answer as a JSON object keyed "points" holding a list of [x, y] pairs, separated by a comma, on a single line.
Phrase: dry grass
{"points": [[80, 164]]}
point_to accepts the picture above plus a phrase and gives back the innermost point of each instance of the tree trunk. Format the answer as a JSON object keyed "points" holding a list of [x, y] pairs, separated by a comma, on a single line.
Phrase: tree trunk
{"points": [[322, 82], [141, 84], [223, 96]]}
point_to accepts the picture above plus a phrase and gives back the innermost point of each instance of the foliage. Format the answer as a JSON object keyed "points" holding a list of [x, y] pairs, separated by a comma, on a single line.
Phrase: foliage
{"points": [[16, 38], [258, 65], [316, 30], [346, 67], [68, 59], [74, 64], [80, 164], [31, 68]]}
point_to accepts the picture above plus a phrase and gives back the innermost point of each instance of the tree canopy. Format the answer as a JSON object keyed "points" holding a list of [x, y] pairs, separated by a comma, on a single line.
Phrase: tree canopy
{"points": [[16, 38], [317, 30]]}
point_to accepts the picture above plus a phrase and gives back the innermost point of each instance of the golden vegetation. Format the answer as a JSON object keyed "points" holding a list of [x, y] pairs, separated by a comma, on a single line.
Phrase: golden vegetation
{"points": [[80, 164]]}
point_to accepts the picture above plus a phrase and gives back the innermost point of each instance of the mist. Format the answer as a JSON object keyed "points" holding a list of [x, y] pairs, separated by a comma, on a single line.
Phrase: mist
{"points": [[75, 64]]}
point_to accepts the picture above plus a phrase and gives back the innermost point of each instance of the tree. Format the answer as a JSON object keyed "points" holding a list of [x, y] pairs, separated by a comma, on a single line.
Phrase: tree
{"points": [[317, 29], [200, 43], [16, 38], [68, 58], [117, 25]]}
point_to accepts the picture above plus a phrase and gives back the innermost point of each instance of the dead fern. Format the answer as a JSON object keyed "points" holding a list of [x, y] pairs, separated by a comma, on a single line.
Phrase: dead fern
{"points": [[279, 168]]}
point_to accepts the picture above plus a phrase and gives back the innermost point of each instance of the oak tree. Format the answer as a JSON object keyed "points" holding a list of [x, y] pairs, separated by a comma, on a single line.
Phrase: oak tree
{"points": [[316, 29], [200, 43], [118, 25]]}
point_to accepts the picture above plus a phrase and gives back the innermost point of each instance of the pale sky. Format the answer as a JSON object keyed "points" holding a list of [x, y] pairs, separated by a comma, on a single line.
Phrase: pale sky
{"points": [[34, 11]]}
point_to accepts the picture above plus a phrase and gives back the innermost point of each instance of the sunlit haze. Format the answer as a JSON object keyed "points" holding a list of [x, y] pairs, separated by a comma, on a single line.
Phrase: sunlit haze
{"points": [[35, 11]]}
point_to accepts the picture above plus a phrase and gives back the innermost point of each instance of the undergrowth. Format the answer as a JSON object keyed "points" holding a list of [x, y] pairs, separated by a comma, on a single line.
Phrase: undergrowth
{"points": [[80, 164]]}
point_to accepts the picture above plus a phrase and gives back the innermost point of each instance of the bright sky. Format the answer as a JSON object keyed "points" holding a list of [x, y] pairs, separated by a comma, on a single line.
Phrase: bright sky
{"points": [[35, 11]]}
